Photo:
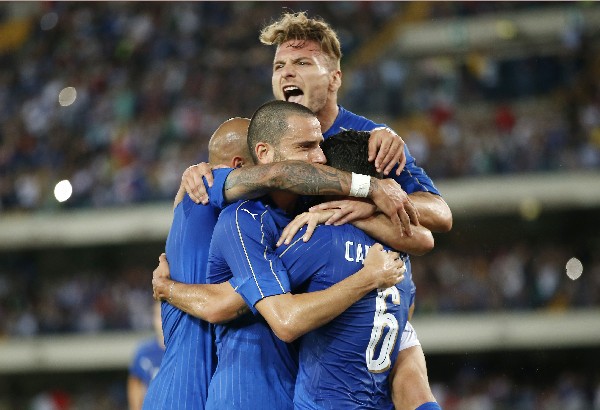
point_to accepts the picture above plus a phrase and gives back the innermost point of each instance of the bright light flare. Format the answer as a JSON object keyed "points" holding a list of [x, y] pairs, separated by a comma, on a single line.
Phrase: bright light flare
{"points": [[574, 268], [63, 190], [67, 96]]}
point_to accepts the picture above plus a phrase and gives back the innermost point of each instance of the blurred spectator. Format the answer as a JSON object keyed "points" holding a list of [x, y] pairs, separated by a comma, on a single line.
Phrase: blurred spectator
{"points": [[52, 400], [518, 277], [474, 388], [147, 79], [146, 362]]}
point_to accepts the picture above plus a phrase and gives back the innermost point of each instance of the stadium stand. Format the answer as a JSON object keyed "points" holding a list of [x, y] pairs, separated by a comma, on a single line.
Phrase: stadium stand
{"points": [[499, 101]]}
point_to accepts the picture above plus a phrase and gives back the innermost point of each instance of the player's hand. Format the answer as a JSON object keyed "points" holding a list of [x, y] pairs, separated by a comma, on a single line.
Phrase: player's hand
{"points": [[387, 149], [191, 180], [391, 199], [310, 219], [386, 267], [346, 210], [161, 279]]}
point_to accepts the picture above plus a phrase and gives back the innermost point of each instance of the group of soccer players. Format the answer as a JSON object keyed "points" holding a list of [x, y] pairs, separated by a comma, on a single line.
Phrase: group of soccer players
{"points": [[307, 319]]}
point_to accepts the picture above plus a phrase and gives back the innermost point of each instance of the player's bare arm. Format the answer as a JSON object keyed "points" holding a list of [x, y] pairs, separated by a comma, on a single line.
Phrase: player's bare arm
{"points": [[309, 179], [389, 197], [316, 179], [136, 390], [299, 177], [410, 365], [378, 226], [214, 303], [434, 212], [255, 181], [375, 224], [290, 316]]}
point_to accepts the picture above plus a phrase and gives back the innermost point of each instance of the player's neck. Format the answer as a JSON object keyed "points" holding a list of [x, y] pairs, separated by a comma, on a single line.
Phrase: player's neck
{"points": [[285, 201], [328, 115]]}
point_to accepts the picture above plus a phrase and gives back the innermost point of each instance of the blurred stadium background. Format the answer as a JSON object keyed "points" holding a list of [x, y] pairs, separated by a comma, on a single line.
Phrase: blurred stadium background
{"points": [[499, 101]]}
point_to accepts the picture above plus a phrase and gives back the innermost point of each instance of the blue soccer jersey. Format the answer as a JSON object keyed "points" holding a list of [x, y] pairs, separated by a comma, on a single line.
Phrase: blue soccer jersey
{"points": [[190, 357], [412, 178], [345, 364], [146, 360], [256, 370]]}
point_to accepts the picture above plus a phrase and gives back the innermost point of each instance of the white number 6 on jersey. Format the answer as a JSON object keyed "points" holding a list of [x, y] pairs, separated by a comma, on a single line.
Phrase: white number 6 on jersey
{"points": [[380, 321]]}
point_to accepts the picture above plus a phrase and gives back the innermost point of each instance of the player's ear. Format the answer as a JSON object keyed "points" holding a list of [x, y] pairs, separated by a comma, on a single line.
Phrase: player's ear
{"points": [[336, 80], [264, 152], [237, 162]]}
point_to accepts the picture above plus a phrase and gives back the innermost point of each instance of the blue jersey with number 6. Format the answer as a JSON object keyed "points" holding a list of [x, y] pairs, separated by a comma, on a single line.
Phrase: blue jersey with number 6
{"points": [[345, 364]]}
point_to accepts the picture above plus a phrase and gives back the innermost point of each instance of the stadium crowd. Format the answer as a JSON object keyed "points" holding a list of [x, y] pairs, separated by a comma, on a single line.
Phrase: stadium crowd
{"points": [[469, 390], [519, 277], [154, 80], [148, 77]]}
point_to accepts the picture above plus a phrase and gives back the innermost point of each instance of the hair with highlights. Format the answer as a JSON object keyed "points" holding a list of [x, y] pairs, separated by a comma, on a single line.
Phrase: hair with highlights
{"points": [[297, 26]]}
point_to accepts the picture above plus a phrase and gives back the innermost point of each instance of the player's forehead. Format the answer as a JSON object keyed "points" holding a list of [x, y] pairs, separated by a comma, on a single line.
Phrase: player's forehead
{"points": [[298, 48], [302, 129]]}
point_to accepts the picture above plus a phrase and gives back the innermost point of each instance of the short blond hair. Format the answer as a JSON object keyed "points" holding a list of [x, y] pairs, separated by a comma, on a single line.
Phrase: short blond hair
{"points": [[297, 26]]}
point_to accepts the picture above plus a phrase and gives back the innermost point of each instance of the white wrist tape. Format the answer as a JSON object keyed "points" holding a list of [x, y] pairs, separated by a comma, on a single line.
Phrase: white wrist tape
{"points": [[360, 185]]}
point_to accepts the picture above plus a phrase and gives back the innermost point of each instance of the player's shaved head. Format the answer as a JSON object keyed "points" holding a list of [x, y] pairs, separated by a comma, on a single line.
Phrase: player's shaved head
{"points": [[229, 141], [270, 122]]}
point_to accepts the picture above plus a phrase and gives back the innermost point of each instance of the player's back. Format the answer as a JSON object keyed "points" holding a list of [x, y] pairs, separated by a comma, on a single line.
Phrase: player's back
{"points": [[256, 370], [346, 363], [189, 360]]}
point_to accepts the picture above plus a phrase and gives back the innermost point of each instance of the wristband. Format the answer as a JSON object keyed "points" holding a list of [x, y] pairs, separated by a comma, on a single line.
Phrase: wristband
{"points": [[360, 185]]}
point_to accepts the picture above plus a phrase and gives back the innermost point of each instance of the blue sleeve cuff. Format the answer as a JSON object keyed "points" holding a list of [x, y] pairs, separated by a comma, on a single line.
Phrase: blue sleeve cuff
{"points": [[252, 293], [216, 192], [414, 178]]}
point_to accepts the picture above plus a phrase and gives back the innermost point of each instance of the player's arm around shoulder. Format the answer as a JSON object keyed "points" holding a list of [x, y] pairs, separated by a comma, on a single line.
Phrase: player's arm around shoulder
{"points": [[434, 212], [214, 303], [292, 315], [380, 228], [300, 177]]}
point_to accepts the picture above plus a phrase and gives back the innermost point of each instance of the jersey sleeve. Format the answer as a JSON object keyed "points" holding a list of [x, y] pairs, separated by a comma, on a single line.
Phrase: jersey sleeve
{"points": [[302, 259], [135, 366], [414, 178], [246, 244], [216, 192]]}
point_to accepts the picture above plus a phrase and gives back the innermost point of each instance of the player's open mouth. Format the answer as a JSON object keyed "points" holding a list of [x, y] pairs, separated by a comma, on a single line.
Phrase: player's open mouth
{"points": [[292, 93]]}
